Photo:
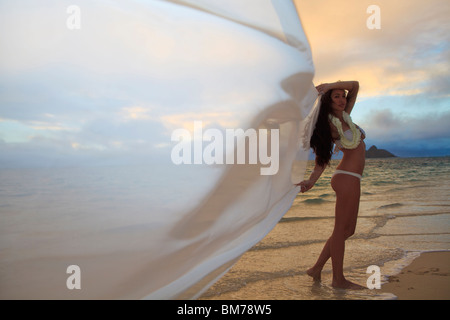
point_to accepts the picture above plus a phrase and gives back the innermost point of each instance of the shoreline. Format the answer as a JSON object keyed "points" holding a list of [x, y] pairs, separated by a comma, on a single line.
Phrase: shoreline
{"points": [[427, 277]]}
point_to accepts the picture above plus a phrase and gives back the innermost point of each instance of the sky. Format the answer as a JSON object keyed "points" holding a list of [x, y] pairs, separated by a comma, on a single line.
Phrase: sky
{"points": [[403, 68], [52, 114]]}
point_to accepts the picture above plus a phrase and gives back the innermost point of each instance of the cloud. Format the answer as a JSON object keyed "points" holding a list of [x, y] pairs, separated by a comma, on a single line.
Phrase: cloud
{"points": [[403, 58], [387, 127], [127, 78], [403, 68], [116, 89], [136, 113], [97, 142]]}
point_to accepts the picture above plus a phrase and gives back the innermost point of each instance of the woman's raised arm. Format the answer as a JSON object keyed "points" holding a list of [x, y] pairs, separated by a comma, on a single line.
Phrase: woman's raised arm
{"points": [[351, 86]]}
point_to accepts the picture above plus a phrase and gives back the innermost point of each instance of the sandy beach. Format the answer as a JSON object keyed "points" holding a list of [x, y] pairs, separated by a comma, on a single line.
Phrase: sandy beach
{"points": [[392, 230], [426, 278]]}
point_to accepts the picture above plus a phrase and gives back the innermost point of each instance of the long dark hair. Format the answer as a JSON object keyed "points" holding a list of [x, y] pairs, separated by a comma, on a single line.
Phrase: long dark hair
{"points": [[321, 139]]}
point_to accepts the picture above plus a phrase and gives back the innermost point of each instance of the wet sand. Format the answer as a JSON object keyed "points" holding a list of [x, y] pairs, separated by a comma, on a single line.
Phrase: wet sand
{"points": [[426, 278]]}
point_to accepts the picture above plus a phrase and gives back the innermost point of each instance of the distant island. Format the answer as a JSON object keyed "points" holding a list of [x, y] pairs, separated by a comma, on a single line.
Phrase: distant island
{"points": [[374, 152]]}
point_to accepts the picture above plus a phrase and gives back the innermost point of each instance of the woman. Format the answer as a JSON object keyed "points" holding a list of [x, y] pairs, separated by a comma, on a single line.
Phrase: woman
{"points": [[334, 125]]}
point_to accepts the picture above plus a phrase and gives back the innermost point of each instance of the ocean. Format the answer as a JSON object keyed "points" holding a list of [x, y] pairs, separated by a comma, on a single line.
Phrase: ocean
{"points": [[404, 210]]}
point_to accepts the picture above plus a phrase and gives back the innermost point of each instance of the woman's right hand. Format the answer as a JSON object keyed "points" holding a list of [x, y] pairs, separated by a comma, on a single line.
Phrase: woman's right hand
{"points": [[305, 185]]}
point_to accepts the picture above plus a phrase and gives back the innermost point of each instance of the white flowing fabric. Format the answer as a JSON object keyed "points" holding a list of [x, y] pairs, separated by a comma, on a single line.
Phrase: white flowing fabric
{"points": [[228, 63]]}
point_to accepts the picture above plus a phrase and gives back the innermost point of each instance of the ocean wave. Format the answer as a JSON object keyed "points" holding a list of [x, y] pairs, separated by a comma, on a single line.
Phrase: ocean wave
{"points": [[22, 195], [286, 244], [314, 201], [392, 205], [295, 219], [380, 182], [325, 195]]}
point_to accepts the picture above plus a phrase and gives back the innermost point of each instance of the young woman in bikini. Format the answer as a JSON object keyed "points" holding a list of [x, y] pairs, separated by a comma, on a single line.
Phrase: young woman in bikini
{"points": [[334, 126]]}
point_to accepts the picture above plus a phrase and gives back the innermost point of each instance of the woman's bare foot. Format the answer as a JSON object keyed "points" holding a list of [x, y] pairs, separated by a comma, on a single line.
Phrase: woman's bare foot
{"points": [[315, 274], [345, 284]]}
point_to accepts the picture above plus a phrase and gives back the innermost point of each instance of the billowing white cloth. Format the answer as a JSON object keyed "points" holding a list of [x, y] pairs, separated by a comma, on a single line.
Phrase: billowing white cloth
{"points": [[227, 63]]}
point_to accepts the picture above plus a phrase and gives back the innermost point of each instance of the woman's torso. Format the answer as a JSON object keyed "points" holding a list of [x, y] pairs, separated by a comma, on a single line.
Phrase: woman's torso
{"points": [[353, 159]]}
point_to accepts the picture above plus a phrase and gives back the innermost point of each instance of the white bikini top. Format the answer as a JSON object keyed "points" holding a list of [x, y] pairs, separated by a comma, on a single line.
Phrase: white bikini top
{"points": [[349, 136]]}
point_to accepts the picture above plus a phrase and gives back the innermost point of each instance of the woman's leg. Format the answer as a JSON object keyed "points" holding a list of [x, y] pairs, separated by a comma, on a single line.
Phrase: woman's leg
{"points": [[316, 271], [347, 190]]}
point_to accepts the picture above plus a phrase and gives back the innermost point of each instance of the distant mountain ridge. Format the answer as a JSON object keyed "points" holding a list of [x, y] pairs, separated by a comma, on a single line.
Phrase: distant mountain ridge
{"points": [[374, 152]]}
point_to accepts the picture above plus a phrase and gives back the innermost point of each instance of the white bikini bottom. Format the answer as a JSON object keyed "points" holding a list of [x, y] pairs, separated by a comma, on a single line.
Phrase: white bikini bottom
{"points": [[347, 172]]}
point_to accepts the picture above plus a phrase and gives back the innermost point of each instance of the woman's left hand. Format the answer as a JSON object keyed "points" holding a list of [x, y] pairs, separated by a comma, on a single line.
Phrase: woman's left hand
{"points": [[323, 88]]}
